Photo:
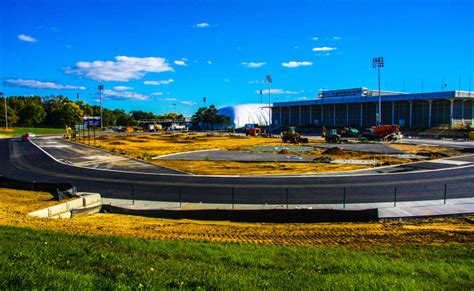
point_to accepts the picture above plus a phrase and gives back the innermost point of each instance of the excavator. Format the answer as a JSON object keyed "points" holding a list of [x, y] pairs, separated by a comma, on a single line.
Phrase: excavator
{"points": [[292, 136]]}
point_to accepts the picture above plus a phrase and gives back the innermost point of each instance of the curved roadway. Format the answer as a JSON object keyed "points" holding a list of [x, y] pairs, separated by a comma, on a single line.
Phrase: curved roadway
{"points": [[23, 160]]}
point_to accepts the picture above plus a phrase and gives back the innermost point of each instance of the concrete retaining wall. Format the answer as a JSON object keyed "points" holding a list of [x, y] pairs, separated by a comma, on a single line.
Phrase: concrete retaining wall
{"points": [[64, 210]]}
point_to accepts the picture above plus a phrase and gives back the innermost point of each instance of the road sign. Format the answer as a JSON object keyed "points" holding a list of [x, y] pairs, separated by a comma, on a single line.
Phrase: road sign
{"points": [[91, 120]]}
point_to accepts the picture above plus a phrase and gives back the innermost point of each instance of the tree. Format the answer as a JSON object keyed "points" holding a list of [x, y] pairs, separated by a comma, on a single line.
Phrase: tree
{"points": [[171, 115], [32, 114], [139, 115], [207, 117]]}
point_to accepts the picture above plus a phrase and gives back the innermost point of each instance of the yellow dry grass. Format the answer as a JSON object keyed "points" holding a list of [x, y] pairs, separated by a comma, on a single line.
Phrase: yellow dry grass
{"points": [[251, 168], [415, 149], [15, 205], [146, 146]]}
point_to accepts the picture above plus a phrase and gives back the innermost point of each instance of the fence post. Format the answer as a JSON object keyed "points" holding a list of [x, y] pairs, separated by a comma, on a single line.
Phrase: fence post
{"points": [[395, 197], [232, 198], [344, 198], [445, 192], [133, 194], [287, 197]]}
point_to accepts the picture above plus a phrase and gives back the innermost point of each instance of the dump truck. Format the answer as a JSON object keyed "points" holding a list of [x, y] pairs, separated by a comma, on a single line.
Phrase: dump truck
{"points": [[292, 136], [387, 132]]}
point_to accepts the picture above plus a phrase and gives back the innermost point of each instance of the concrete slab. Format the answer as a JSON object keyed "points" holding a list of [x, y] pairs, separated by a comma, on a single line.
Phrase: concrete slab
{"points": [[374, 148], [387, 210]]}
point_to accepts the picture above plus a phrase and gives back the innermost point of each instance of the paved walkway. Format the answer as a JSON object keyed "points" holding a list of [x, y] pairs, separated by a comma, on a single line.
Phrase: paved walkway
{"points": [[386, 209], [88, 157]]}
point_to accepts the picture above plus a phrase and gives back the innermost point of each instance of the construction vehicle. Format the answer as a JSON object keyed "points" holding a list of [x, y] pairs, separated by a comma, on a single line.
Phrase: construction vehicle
{"points": [[389, 132], [292, 136], [252, 129], [343, 135]]}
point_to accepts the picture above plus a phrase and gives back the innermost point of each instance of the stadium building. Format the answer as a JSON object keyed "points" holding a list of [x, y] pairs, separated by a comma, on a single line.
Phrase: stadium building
{"points": [[357, 107]]}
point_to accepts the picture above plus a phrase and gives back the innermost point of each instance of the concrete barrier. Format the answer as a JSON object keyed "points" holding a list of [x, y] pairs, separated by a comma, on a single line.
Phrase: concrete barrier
{"points": [[85, 201]]}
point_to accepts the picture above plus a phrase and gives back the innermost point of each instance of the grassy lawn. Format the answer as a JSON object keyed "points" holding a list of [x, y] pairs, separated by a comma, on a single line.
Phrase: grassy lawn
{"points": [[47, 259], [18, 131]]}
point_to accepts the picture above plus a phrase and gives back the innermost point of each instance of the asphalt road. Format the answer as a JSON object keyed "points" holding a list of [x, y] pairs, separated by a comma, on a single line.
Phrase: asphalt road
{"points": [[23, 160]]}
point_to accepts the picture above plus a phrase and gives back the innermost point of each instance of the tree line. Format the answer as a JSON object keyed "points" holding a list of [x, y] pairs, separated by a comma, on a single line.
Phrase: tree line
{"points": [[60, 111]]}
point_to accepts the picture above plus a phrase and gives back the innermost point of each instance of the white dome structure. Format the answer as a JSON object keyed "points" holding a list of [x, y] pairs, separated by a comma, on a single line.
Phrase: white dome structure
{"points": [[242, 114]]}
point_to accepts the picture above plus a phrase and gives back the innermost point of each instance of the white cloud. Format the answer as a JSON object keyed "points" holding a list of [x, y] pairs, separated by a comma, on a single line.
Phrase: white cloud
{"points": [[169, 99], [181, 62], [161, 82], [190, 103], [26, 38], [315, 38], [125, 95], [41, 85], [336, 37], [209, 62], [253, 64], [302, 98], [256, 82], [123, 69], [324, 49], [226, 80], [202, 24], [277, 91], [157, 94], [294, 64], [122, 88]]}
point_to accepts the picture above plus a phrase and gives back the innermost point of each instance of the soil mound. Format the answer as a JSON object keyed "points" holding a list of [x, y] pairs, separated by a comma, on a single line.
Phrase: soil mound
{"points": [[334, 151], [284, 152]]}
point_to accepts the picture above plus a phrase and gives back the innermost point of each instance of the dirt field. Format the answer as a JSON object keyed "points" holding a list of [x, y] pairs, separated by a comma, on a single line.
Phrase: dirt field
{"points": [[15, 205], [145, 146]]}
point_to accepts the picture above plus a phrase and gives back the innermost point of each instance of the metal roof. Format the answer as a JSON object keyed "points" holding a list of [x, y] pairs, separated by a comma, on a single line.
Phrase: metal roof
{"points": [[366, 99]]}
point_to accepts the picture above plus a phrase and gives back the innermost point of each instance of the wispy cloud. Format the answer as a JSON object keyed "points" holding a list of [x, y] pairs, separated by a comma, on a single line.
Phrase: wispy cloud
{"points": [[125, 95], [315, 38], [302, 98], [123, 69], [181, 62], [209, 62], [26, 38], [161, 82], [189, 103], [277, 91], [169, 99], [202, 25], [324, 49], [40, 85], [253, 64], [157, 94], [294, 64], [256, 82], [122, 88], [336, 37]]}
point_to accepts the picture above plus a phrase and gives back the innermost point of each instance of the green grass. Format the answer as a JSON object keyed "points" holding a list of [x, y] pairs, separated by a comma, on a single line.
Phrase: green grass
{"points": [[18, 131], [46, 259]]}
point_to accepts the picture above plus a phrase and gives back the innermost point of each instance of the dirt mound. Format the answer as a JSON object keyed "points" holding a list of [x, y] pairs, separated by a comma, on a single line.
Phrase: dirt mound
{"points": [[334, 151], [432, 155], [284, 152], [117, 143]]}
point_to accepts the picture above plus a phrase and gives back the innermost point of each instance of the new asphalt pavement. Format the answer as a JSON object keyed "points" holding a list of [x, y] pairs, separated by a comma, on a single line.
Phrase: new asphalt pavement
{"points": [[25, 161]]}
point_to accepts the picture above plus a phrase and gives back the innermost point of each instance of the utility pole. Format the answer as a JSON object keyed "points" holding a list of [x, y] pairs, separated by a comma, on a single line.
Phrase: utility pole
{"points": [[268, 79], [378, 63], [101, 88], [6, 110]]}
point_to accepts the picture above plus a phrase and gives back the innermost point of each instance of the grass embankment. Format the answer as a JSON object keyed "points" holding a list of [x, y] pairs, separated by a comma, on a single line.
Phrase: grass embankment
{"points": [[19, 131], [46, 259], [120, 251], [15, 206], [146, 146]]}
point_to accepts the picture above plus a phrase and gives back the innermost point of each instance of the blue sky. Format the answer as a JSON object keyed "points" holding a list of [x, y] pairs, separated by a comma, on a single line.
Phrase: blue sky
{"points": [[152, 54]]}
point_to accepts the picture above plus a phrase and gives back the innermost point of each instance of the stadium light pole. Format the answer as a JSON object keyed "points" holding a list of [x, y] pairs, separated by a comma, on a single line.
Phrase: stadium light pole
{"points": [[101, 88], [6, 112], [378, 63], [268, 79]]}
